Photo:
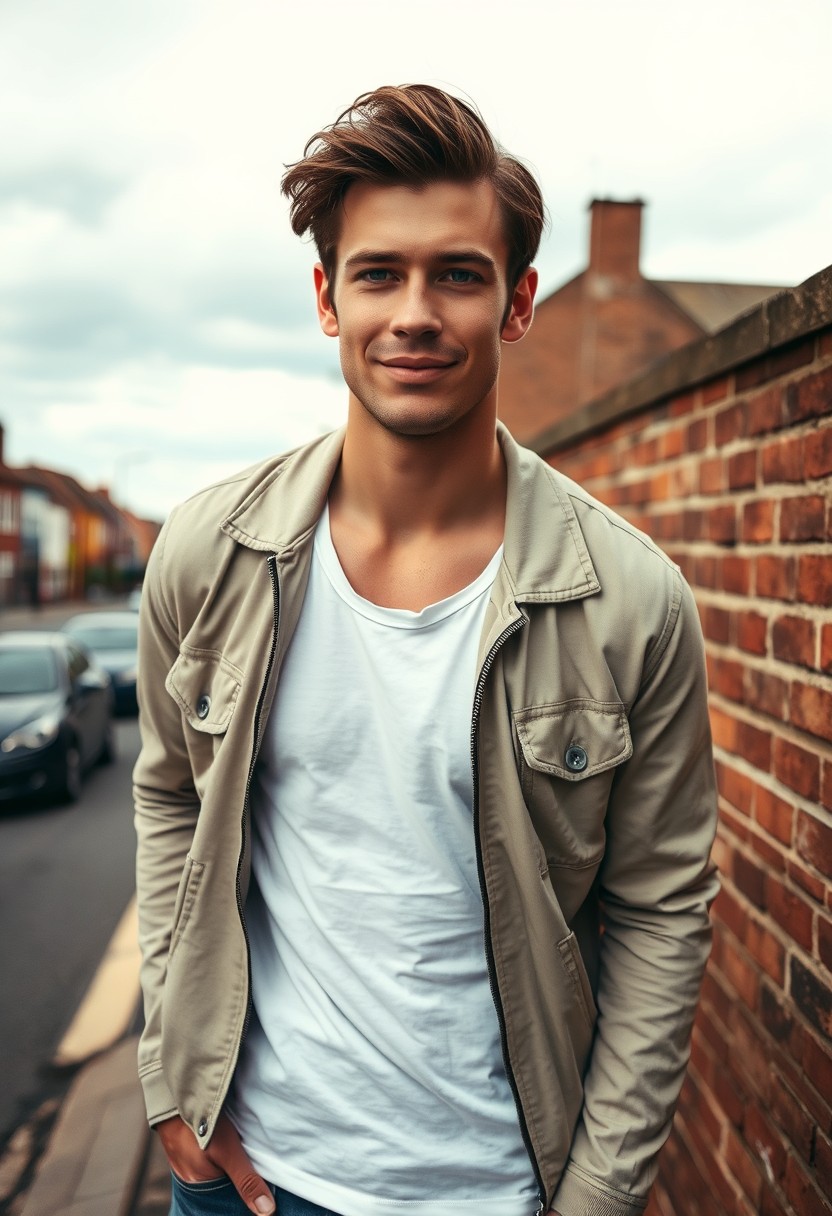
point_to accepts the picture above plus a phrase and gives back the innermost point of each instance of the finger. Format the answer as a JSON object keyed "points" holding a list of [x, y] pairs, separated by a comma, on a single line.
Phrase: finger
{"points": [[228, 1153]]}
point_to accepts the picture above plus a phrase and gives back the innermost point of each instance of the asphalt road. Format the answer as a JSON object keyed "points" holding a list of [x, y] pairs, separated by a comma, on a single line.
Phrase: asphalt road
{"points": [[66, 876]]}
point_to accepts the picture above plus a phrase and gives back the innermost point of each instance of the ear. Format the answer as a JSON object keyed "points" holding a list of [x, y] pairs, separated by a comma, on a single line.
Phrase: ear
{"points": [[521, 311], [323, 298]]}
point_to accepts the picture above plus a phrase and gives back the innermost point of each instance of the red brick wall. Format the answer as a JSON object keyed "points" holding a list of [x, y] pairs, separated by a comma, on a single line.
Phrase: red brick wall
{"points": [[733, 478]]}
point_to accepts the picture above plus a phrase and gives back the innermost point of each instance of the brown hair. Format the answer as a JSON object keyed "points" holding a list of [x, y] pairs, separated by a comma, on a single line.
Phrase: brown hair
{"points": [[413, 135]]}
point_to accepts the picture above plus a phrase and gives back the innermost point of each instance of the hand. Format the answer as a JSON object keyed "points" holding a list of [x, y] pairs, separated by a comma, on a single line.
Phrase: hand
{"points": [[223, 1157]]}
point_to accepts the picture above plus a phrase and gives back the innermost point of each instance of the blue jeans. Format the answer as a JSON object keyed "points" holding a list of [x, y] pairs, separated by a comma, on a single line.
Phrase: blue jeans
{"points": [[220, 1198]]}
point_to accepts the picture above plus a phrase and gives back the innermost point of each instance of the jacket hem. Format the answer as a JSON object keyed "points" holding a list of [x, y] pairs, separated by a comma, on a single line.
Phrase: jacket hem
{"points": [[159, 1101], [578, 1196]]}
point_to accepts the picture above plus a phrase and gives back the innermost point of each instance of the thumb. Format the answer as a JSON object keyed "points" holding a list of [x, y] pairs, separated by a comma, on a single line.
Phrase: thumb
{"points": [[231, 1156]]}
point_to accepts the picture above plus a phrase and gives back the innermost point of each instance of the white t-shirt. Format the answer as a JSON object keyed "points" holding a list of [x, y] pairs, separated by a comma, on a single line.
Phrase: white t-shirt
{"points": [[372, 1077]]}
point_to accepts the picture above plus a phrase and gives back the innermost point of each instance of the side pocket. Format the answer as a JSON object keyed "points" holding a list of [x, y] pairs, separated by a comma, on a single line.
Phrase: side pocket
{"points": [[573, 965], [188, 887]]}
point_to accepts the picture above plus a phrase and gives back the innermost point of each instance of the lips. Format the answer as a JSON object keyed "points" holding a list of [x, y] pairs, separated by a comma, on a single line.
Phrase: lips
{"points": [[417, 363]]}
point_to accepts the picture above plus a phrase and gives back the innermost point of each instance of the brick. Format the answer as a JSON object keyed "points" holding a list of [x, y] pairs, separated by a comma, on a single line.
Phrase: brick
{"points": [[742, 1165], [810, 397], [743, 979], [692, 524], [737, 825], [790, 911], [726, 678], [774, 815], [697, 438], [758, 521], [826, 648], [736, 788], [771, 853], [802, 1193], [716, 624], [814, 579], [766, 411], [721, 524], [811, 995], [711, 475], [736, 574], [766, 950], [817, 453], [742, 469], [816, 1062], [754, 745], [825, 344], [777, 1016], [793, 640], [822, 1161], [731, 912], [782, 460], [826, 785], [790, 1115], [797, 768], [751, 632], [825, 942], [811, 709], [766, 693], [813, 841], [706, 570], [766, 1142], [671, 443], [729, 424], [750, 879], [775, 577], [801, 877], [803, 519], [729, 1096], [716, 390]]}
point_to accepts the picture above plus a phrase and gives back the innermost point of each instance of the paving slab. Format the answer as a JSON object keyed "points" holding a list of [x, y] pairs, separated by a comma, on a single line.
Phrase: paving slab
{"points": [[97, 1150]]}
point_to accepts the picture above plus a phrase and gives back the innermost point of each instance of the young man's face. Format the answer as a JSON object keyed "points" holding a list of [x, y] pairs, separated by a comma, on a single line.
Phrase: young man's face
{"points": [[422, 302]]}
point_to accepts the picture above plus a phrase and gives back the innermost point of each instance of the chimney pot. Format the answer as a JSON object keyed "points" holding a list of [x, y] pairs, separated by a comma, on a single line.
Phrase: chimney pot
{"points": [[615, 238]]}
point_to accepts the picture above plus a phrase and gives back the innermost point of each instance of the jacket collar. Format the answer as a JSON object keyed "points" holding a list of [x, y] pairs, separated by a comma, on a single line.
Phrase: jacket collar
{"points": [[546, 559]]}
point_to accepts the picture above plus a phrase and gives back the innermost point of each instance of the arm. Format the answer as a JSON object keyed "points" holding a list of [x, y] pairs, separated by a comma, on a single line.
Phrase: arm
{"points": [[656, 886], [167, 807]]}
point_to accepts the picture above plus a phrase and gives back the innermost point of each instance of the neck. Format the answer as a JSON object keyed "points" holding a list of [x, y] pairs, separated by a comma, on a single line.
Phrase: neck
{"points": [[401, 485]]}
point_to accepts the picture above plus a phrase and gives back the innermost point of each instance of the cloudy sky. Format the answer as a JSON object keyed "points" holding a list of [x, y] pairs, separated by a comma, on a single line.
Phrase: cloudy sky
{"points": [[157, 326]]}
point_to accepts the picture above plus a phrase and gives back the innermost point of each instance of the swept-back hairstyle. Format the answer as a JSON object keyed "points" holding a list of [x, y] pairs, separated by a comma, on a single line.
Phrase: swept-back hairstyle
{"points": [[410, 135]]}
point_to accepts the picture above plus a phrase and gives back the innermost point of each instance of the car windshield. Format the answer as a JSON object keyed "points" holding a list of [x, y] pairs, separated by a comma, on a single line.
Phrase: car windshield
{"points": [[27, 670], [105, 637]]}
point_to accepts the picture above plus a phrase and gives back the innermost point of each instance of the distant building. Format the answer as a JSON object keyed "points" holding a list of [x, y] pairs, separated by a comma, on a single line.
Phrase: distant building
{"points": [[9, 532], [607, 324]]}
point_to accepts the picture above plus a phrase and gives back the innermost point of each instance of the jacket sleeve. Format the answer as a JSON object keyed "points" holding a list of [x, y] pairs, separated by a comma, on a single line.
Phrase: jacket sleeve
{"points": [[167, 807], [656, 886]]}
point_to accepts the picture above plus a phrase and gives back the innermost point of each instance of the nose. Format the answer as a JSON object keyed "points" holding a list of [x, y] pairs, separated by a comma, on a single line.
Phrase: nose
{"points": [[415, 310]]}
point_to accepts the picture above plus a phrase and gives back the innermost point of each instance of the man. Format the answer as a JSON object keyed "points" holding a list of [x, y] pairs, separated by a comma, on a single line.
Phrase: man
{"points": [[400, 686]]}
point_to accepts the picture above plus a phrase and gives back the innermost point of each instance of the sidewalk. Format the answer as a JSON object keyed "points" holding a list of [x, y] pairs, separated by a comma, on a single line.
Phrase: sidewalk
{"points": [[101, 1159]]}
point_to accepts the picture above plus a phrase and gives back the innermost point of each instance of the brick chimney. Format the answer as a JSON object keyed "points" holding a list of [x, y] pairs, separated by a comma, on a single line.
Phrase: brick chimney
{"points": [[615, 238]]}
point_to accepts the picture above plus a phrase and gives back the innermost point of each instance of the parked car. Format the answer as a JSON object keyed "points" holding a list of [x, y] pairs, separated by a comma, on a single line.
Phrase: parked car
{"points": [[112, 639], [56, 715]]}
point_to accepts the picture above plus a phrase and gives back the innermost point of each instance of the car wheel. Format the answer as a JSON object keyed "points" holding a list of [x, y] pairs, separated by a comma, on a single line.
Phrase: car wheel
{"points": [[108, 744], [71, 780]]}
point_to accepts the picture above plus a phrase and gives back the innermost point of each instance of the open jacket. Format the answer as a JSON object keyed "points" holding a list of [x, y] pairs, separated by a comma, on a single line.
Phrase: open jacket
{"points": [[594, 807]]}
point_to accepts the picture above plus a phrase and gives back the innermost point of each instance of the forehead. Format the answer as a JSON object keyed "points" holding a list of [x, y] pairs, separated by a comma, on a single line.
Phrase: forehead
{"points": [[419, 220]]}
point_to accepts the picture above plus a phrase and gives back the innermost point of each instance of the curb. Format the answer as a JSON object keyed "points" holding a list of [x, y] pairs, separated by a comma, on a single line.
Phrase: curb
{"points": [[95, 1155]]}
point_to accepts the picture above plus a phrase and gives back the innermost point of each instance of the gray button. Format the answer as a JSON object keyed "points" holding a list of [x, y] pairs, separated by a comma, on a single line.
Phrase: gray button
{"points": [[203, 1127], [203, 706], [576, 759]]}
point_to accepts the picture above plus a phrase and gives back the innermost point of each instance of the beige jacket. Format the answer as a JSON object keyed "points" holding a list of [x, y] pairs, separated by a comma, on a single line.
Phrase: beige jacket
{"points": [[594, 812]]}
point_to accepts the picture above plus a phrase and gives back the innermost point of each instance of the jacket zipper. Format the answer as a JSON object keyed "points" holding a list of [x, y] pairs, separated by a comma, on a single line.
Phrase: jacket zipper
{"points": [[272, 565], [489, 951]]}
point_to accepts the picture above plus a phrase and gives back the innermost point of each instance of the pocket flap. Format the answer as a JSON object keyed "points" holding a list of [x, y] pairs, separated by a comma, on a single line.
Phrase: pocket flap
{"points": [[574, 739], [205, 686]]}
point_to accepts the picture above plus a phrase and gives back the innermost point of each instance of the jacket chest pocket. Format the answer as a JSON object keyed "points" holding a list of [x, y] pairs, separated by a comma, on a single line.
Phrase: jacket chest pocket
{"points": [[568, 754], [205, 686]]}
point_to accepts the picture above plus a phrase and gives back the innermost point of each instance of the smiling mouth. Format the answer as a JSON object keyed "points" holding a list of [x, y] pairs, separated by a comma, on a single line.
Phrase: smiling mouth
{"points": [[409, 369]]}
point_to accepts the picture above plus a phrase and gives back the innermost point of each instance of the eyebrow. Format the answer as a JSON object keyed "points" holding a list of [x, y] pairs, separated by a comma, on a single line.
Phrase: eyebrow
{"points": [[374, 257]]}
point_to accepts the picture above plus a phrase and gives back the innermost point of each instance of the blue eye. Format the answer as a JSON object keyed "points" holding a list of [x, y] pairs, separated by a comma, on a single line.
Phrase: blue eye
{"points": [[376, 275], [462, 276]]}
